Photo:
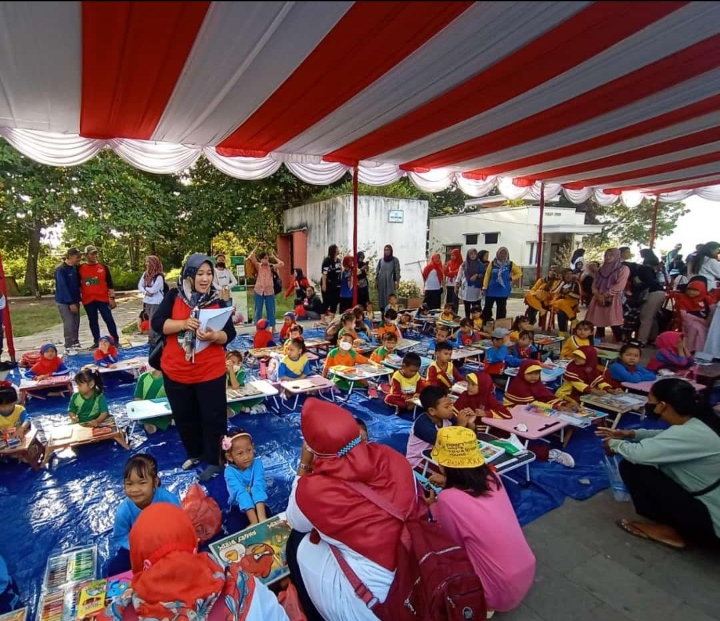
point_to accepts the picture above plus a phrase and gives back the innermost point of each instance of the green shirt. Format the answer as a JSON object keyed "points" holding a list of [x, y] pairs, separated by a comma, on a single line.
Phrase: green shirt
{"points": [[239, 376], [87, 409], [689, 454], [149, 387]]}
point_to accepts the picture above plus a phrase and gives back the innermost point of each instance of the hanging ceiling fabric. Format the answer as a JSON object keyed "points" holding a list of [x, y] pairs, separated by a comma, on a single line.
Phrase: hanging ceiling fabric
{"points": [[611, 99]]}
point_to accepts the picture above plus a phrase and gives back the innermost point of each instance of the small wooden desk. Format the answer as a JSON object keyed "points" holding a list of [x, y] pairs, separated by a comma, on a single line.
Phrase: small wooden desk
{"points": [[32, 388], [30, 450], [75, 434], [359, 373], [134, 366], [615, 404], [309, 385]]}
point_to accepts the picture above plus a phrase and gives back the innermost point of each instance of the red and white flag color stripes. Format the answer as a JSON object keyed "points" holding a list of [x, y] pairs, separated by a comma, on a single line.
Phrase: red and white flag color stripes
{"points": [[614, 99]]}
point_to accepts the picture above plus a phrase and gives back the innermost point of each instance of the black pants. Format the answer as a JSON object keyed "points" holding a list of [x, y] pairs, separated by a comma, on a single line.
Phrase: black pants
{"points": [[660, 499], [363, 296], [616, 330], [331, 297], [345, 304], [92, 309], [433, 298], [531, 313], [291, 552], [451, 298], [200, 413], [469, 306], [10, 597], [118, 564], [562, 321], [501, 308]]}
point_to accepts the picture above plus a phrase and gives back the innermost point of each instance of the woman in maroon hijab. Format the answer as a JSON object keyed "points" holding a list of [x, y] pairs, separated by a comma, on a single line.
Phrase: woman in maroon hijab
{"points": [[334, 514]]}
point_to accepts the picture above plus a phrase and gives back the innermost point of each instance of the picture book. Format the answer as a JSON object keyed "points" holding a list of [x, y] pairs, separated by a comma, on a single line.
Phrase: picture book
{"points": [[91, 599], [489, 451], [260, 549], [15, 615]]}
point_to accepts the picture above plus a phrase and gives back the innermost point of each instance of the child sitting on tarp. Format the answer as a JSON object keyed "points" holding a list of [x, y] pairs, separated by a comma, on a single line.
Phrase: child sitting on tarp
{"points": [[406, 383], [9, 592], [476, 316], [235, 378], [480, 397], [583, 377], [442, 335], [520, 323], [343, 355], [150, 385], [582, 336], [526, 388], [522, 349], [442, 372], [142, 488], [295, 364], [466, 336], [363, 325], [439, 412], [448, 314], [389, 324], [106, 355], [672, 353], [496, 356], [627, 369], [348, 327], [296, 332], [88, 405], [474, 503], [50, 364], [12, 414], [263, 336], [389, 343], [245, 476], [288, 322]]}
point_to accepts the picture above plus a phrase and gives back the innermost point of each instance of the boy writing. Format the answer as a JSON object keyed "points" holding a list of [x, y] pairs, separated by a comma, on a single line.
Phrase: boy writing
{"points": [[406, 383], [442, 372]]}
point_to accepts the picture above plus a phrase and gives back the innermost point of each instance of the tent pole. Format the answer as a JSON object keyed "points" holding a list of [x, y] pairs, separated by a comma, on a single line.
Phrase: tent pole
{"points": [[538, 271], [653, 223], [355, 232], [6, 323]]}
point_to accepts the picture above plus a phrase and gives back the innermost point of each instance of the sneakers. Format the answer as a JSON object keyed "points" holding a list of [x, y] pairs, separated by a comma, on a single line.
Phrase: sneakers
{"points": [[260, 408], [209, 473], [190, 463], [561, 457]]}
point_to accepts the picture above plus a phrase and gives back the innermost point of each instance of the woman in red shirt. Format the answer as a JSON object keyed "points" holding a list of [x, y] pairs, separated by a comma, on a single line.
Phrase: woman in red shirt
{"points": [[195, 381]]}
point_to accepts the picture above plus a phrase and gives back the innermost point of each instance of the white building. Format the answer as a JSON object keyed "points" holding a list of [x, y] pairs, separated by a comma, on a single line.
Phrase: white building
{"points": [[402, 223], [516, 228]]}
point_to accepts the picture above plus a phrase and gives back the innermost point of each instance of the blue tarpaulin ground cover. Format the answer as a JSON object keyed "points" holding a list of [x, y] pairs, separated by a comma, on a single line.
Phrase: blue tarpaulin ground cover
{"points": [[73, 501]]}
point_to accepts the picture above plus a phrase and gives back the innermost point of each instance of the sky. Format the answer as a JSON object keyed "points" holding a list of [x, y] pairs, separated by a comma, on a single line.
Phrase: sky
{"points": [[699, 226]]}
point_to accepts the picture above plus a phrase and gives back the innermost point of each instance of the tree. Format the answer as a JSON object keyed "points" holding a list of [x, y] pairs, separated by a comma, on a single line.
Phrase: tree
{"points": [[35, 198], [633, 224]]}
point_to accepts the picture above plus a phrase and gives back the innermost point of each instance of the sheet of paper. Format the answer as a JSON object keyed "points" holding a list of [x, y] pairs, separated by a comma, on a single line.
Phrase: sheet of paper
{"points": [[213, 318]]}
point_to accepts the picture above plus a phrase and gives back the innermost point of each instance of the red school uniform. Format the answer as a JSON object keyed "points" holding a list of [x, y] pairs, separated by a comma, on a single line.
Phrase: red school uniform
{"points": [[95, 282]]}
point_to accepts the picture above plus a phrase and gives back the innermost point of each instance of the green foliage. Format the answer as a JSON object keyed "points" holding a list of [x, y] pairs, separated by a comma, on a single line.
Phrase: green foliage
{"points": [[627, 225], [126, 280]]}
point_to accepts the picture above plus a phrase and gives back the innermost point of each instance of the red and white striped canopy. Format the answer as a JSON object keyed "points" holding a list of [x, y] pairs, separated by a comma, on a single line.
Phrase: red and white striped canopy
{"points": [[603, 97]]}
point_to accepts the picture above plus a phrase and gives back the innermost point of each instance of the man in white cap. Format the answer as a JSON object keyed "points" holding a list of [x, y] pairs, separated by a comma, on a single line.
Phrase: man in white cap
{"points": [[98, 294]]}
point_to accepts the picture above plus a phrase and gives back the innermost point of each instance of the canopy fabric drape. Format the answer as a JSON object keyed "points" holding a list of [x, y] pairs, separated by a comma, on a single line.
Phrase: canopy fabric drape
{"points": [[613, 100]]}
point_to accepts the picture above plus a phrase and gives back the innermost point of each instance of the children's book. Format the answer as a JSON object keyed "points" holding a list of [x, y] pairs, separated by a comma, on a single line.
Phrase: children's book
{"points": [[91, 600], [244, 391], [489, 451], [260, 549]]}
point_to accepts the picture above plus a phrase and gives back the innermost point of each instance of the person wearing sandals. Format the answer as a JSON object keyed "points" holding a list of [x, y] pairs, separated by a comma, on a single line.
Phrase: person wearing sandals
{"points": [[195, 380], [673, 475]]}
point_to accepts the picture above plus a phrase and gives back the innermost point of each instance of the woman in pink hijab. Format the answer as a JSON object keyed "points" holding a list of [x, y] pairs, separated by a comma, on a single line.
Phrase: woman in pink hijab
{"points": [[605, 308]]}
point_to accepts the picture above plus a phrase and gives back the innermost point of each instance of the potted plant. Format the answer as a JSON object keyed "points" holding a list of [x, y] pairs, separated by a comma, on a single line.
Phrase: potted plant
{"points": [[409, 294]]}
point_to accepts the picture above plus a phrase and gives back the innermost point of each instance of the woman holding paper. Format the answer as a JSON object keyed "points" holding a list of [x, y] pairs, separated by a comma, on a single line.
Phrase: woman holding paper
{"points": [[193, 362]]}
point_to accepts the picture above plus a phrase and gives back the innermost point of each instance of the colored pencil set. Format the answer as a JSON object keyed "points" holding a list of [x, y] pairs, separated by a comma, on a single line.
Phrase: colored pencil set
{"points": [[65, 575]]}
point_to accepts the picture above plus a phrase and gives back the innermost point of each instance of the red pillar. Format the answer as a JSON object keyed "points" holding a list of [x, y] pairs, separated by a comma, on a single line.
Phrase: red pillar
{"points": [[355, 232], [653, 222], [538, 271], [7, 323]]}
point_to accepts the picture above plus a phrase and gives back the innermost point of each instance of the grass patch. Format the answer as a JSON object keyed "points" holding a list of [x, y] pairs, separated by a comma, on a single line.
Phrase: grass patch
{"points": [[32, 317]]}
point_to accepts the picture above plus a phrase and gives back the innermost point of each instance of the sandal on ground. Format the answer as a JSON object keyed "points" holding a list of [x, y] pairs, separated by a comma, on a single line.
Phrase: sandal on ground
{"points": [[636, 530], [190, 463]]}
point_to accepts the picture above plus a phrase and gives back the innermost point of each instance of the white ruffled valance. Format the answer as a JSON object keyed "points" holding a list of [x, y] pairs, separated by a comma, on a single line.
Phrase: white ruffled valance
{"points": [[164, 158]]}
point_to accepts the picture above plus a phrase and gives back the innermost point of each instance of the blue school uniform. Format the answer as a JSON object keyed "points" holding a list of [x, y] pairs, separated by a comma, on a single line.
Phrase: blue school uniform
{"points": [[128, 513], [620, 373], [246, 488], [294, 368]]}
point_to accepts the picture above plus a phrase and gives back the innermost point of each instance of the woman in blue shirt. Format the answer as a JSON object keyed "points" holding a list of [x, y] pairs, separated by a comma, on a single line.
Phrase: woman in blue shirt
{"points": [[499, 277], [346, 284]]}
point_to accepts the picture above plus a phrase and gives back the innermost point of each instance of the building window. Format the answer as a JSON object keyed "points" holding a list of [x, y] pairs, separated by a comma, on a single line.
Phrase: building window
{"points": [[491, 238], [448, 251], [471, 240], [533, 250]]}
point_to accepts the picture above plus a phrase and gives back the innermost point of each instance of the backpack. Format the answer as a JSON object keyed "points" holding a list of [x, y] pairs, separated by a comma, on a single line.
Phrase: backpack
{"points": [[166, 287], [434, 580], [277, 283]]}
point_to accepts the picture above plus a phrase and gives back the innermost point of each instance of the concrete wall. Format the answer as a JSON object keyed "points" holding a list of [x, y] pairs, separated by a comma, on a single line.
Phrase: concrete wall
{"points": [[518, 229], [331, 221]]}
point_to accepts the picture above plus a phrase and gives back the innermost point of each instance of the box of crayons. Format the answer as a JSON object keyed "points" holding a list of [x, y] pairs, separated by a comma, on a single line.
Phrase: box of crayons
{"points": [[71, 567], [61, 605]]}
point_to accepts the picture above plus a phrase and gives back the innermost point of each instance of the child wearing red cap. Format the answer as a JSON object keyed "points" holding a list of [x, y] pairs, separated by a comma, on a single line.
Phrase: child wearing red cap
{"points": [[106, 355], [263, 336]]}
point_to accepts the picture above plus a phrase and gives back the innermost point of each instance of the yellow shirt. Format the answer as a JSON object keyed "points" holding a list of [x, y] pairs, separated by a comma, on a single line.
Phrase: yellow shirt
{"points": [[572, 344], [13, 420]]}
